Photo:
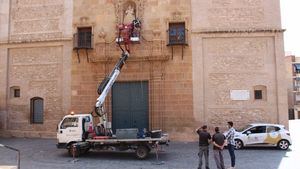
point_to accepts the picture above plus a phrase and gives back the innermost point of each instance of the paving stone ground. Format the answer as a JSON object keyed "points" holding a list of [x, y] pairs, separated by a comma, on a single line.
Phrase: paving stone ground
{"points": [[42, 154]]}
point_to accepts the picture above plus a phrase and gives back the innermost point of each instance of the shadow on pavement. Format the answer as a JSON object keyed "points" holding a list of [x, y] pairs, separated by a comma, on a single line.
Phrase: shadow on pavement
{"points": [[118, 156]]}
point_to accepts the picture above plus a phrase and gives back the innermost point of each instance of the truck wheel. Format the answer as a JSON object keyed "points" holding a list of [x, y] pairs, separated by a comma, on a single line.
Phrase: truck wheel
{"points": [[86, 151], [73, 152], [142, 152]]}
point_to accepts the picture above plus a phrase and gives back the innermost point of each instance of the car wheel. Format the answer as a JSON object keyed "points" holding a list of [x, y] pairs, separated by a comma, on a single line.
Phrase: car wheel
{"points": [[238, 144], [283, 144]]}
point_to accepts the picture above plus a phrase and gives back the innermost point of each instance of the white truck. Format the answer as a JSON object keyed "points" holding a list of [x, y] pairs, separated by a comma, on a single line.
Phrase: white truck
{"points": [[71, 135], [78, 134]]}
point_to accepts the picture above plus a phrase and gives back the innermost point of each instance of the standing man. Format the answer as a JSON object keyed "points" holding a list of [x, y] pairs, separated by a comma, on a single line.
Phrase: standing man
{"points": [[231, 143], [218, 142], [204, 140]]}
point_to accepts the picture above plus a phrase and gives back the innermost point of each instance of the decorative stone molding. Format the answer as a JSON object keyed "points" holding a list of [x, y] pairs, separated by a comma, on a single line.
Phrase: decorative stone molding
{"points": [[122, 5], [84, 21], [154, 50], [156, 34], [102, 35], [176, 16], [210, 31], [151, 48]]}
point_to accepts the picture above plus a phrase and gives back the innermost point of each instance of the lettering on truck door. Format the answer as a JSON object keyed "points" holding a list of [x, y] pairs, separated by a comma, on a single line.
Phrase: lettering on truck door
{"points": [[70, 129]]}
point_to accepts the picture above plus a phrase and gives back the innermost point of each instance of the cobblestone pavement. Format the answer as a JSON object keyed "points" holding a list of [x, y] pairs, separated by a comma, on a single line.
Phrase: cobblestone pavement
{"points": [[42, 154]]}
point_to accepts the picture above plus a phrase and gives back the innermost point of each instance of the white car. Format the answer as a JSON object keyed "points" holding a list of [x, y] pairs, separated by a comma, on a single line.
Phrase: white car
{"points": [[263, 135]]}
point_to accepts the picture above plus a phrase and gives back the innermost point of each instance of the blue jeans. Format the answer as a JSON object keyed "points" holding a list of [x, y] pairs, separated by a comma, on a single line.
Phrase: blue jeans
{"points": [[232, 155]]}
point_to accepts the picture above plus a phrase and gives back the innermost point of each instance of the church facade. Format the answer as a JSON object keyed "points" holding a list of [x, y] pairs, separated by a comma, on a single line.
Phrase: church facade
{"points": [[192, 63]]}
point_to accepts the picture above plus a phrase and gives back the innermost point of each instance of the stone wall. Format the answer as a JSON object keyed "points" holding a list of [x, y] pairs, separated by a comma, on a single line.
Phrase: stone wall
{"points": [[290, 80], [245, 65], [4, 20], [37, 72], [33, 20], [236, 45], [3, 89], [236, 14], [232, 45], [4, 29], [35, 51]]}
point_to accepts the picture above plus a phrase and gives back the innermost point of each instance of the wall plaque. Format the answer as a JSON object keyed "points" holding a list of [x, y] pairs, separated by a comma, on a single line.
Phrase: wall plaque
{"points": [[239, 94]]}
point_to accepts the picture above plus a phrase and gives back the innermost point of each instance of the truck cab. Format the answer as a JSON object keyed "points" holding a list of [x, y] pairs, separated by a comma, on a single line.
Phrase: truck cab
{"points": [[72, 128]]}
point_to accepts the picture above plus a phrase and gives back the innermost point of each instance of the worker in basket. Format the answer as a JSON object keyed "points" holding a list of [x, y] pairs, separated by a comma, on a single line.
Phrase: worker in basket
{"points": [[126, 31]]}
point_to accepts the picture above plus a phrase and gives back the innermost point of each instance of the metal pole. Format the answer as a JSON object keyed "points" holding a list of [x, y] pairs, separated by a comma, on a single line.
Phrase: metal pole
{"points": [[74, 148], [14, 149], [156, 146], [19, 161]]}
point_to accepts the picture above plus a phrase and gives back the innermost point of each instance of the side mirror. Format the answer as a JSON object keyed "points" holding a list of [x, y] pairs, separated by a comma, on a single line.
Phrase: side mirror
{"points": [[248, 132]]}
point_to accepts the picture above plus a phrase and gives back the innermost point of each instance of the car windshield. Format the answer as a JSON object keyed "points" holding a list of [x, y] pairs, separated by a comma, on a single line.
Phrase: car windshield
{"points": [[244, 128]]}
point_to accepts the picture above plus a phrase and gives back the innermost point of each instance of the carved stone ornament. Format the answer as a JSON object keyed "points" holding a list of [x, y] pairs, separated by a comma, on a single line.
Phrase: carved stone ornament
{"points": [[156, 34], [177, 16], [84, 21], [127, 10], [102, 35]]}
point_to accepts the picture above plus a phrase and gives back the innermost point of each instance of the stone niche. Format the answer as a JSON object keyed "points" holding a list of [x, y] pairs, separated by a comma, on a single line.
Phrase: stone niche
{"points": [[126, 10]]}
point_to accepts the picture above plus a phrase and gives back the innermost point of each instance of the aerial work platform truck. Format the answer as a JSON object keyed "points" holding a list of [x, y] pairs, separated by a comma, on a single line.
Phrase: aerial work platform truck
{"points": [[77, 132]]}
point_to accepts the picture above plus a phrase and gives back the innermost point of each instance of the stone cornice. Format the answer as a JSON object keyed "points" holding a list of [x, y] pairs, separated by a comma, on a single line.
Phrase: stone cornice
{"points": [[212, 31], [35, 41]]}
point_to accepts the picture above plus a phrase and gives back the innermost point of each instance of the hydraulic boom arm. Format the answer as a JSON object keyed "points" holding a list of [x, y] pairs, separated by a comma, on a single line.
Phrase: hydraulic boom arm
{"points": [[107, 83], [126, 31]]}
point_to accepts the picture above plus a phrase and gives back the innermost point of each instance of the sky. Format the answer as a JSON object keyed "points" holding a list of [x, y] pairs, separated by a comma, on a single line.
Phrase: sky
{"points": [[290, 14]]}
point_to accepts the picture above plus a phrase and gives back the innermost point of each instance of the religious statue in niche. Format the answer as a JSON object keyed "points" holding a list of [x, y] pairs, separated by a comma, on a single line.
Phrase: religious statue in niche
{"points": [[129, 14], [129, 29]]}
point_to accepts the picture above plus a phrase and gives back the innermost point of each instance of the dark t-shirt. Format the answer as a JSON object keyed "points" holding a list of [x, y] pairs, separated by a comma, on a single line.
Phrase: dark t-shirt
{"points": [[204, 136], [219, 139]]}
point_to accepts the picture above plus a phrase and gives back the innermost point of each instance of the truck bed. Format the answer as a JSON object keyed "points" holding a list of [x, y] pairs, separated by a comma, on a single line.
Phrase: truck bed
{"points": [[162, 139]]}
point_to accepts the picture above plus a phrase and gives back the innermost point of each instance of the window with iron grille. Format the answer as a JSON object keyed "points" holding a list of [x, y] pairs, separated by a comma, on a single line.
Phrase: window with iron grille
{"points": [[297, 68], [258, 94], [84, 38], [177, 33], [17, 92]]}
